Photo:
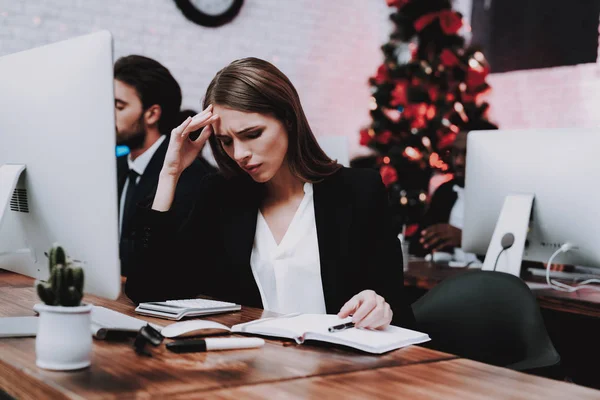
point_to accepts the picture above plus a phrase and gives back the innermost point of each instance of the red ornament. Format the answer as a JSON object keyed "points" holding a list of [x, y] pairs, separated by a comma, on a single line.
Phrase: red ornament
{"points": [[418, 123], [384, 137], [446, 140], [388, 175], [416, 110], [383, 74], [476, 77], [448, 58], [431, 111], [433, 92], [399, 94], [365, 137]]}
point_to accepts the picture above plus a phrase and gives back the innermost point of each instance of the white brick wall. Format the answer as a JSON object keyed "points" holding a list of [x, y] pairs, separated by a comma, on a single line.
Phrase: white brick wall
{"points": [[560, 97], [328, 48]]}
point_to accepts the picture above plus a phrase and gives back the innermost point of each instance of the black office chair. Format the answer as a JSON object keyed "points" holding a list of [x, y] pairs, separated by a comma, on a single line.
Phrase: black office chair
{"points": [[490, 317]]}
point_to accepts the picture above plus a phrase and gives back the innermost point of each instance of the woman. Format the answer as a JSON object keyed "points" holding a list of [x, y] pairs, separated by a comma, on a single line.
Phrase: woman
{"points": [[283, 227]]}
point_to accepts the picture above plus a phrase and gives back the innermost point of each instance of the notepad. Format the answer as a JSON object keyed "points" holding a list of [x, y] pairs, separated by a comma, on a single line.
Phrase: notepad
{"points": [[302, 327]]}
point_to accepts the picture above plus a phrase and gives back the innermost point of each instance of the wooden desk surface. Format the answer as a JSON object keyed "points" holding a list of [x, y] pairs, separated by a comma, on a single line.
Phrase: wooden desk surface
{"points": [[280, 368], [459, 378], [426, 275]]}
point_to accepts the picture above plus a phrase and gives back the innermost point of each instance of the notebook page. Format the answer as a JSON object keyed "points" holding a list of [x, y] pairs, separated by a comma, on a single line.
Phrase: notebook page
{"points": [[294, 326], [374, 341]]}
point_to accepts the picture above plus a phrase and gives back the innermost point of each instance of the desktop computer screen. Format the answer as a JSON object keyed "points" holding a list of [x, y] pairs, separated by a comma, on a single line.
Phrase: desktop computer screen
{"points": [[559, 167], [57, 119]]}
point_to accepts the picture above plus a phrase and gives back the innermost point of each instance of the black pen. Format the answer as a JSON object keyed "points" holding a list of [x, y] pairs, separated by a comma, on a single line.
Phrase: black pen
{"points": [[341, 327]]}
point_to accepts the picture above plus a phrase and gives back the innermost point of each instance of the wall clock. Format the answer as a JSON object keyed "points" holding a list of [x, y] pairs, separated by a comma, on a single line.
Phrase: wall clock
{"points": [[211, 13]]}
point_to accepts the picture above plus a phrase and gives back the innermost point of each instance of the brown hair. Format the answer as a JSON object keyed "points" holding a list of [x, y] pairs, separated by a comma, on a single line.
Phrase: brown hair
{"points": [[256, 86]]}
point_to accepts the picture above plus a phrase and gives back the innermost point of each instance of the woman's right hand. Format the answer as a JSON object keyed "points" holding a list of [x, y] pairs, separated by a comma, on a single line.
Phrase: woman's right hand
{"points": [[182, 151]]}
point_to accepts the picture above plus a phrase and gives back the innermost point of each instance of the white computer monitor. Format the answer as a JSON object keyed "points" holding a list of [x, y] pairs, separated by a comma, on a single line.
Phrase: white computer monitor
{"points": [[559, 167], [57, 118]]}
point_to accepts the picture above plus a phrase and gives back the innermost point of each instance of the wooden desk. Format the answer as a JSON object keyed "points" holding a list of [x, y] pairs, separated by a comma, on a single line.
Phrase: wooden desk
{"points": [[459, 378], [280, 368]]}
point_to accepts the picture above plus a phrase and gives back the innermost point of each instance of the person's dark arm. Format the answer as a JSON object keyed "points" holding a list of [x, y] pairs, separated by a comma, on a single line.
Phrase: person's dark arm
{"points": [[437, 212], [173, 255]]}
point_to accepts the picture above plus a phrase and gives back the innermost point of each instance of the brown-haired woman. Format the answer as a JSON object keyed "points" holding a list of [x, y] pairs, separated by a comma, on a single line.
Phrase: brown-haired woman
{"points": [[282, 227]]}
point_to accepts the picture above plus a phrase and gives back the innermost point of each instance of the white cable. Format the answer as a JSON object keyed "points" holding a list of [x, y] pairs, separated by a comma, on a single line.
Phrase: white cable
{"points": [[561, 286]]}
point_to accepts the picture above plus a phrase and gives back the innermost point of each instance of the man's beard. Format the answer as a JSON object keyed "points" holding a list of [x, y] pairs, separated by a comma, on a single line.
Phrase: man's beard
{"points": [[134, 140]]}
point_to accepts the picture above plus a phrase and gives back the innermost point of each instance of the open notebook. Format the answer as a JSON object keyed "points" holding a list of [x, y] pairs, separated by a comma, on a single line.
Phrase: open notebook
{"points": [[301, 327]]}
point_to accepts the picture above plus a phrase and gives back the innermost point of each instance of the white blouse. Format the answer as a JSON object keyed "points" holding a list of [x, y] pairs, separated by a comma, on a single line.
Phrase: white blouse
{"points": [[288, 275]]}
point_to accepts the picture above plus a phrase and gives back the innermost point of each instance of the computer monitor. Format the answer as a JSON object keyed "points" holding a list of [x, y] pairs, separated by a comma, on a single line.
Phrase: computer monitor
{"points": [[57, 118], [559, 167]]}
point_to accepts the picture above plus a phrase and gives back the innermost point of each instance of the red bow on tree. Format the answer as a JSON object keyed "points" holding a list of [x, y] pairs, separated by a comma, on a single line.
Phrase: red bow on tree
{"points": [[397, 3], [450, 21]]}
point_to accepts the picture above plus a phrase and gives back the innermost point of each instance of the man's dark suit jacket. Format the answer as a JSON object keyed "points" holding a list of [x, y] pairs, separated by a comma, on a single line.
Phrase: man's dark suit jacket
{"points": [[208, 252], [438, 212], [146, 189]]}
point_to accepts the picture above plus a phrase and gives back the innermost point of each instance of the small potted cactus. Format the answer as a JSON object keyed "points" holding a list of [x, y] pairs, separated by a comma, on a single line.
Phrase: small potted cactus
{"points": [[64, 338]]}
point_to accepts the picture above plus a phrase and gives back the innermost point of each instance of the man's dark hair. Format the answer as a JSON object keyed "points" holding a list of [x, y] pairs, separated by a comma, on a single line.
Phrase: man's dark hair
{"points": [[154, 84]]}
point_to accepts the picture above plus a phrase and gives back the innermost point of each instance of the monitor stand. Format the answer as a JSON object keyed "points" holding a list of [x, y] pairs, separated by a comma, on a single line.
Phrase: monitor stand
{"points": [[514, 219]]}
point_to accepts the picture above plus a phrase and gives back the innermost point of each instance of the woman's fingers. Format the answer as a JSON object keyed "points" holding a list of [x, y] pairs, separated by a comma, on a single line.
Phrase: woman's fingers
{"points": [[368, 310], [379, 317], [374, 313], [204, 135], [181, 128], [199, 121], [348, 308], [359, 305], [388, 314]]}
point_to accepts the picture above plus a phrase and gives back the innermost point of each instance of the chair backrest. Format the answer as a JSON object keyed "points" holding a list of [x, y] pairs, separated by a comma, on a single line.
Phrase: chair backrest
{"points": [[487, 316]]}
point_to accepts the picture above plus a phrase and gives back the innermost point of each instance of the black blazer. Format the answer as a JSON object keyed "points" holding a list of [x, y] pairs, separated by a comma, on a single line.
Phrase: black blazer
{"points": [[208, 251], [438, 212], [146, 189]]}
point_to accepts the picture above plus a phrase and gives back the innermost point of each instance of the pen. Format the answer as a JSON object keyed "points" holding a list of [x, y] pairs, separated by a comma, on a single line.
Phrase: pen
{"points": [[341, 327], [192, 346]]}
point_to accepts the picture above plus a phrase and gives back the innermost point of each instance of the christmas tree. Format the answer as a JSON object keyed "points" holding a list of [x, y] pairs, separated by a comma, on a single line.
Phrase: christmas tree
{"points": [[427, 90]]}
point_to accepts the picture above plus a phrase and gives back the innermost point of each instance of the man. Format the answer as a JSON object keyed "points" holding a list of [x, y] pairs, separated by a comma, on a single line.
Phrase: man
{"points": [[441, 228], [147, 102]]}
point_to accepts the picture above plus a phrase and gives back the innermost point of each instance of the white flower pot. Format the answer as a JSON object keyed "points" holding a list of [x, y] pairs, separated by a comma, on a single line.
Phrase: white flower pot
{"points": [[64, 338]]}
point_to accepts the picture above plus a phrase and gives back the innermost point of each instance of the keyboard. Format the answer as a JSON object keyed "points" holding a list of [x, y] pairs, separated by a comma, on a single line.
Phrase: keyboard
{"points": [[178, 309], [572, 276]]}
